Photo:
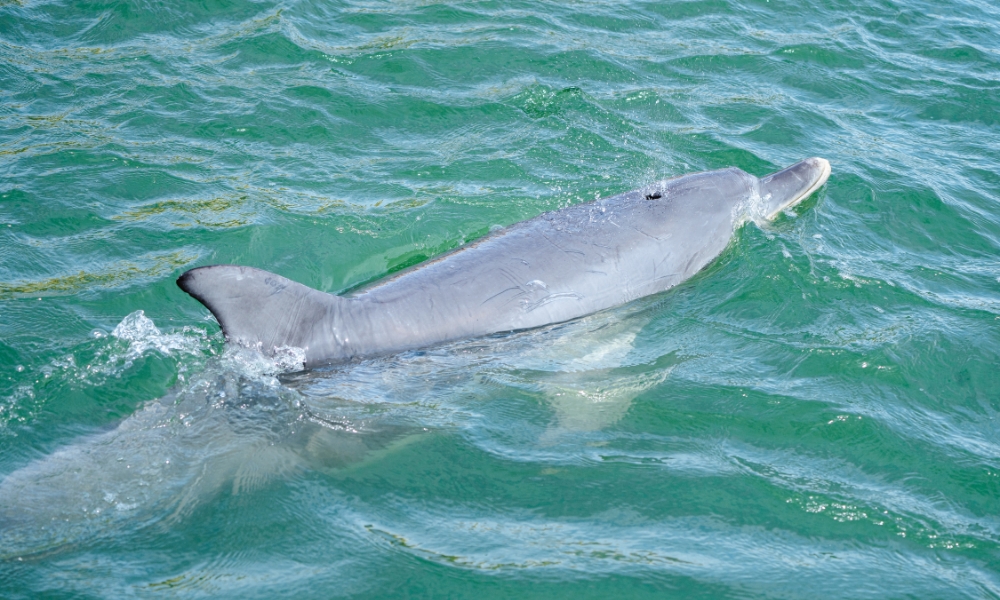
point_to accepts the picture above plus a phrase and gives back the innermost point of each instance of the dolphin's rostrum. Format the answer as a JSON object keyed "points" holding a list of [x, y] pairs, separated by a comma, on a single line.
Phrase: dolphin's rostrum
{"points": [[555, 267]]}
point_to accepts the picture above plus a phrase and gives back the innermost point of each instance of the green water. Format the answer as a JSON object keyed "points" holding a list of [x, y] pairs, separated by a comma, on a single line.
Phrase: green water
{"points": [[815, 415]]}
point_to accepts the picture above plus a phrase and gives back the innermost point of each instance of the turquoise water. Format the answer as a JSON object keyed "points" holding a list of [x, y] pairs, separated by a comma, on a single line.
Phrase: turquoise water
{"points": [[815, 415]]}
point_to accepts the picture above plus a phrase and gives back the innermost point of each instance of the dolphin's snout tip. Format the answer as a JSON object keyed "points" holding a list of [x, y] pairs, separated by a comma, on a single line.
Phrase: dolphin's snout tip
{"points": [[820, 170], [791, 185], [823, 167]]}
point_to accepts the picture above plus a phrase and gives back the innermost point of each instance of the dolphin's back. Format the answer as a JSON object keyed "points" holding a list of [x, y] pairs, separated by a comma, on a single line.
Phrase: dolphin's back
{"points": [[572, 262], [558, 266]]}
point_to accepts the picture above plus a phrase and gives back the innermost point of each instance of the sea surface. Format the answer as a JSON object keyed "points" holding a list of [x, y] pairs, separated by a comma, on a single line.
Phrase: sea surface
{"points": [[815, 415]]}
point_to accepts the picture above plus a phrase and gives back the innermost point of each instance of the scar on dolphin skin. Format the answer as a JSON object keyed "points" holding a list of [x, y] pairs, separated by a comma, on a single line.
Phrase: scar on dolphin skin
{"points": [[680, 225], [502, 292]]}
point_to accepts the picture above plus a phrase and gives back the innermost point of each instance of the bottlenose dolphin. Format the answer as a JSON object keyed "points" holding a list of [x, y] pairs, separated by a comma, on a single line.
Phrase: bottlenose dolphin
{"points": [[558, 266]]}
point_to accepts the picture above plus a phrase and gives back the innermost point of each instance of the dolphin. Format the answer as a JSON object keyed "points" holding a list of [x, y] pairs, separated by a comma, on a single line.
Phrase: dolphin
{"points": [[555, 267]]}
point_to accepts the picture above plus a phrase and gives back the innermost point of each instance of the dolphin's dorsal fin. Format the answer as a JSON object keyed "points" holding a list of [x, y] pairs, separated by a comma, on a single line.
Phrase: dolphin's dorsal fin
{"points": [[259, 309]]}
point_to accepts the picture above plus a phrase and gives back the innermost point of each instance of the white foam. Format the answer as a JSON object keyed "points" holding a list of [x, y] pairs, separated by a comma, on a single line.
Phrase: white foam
{"points": [[752, 208], [142, 336], [253, 363]]}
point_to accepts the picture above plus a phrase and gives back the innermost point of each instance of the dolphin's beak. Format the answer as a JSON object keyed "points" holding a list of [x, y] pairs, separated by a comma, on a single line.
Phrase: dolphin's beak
{"points": [[790, 186]]}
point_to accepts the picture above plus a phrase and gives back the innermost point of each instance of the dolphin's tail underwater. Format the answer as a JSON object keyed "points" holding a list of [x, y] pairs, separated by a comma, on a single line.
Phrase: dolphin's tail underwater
{"points": [[789, 186]]}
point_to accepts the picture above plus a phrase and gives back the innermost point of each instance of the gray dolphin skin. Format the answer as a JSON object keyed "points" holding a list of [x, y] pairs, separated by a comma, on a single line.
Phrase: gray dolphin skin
{"points": [[558, 266]]}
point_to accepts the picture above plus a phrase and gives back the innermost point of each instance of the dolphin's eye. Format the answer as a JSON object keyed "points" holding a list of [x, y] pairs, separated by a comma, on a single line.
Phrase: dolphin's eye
{"points": [[654, 196]]}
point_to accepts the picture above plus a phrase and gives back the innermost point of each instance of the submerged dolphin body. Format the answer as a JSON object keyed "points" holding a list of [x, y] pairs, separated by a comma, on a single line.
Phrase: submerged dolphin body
{"points": [[555, 267]]}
